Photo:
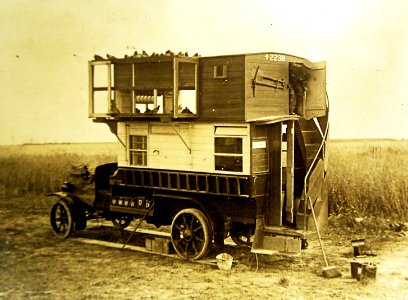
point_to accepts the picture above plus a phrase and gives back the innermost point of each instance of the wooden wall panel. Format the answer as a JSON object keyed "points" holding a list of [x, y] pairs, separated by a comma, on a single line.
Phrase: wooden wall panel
{"points": [[167, 150], [122, 155], [222, 98], [274, 202], [149, 76], [268, 101], [123, 76]]}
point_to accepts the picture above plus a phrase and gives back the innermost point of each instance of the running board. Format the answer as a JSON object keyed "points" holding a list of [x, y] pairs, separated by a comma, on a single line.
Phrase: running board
{"points": [[274, 252], [211, 262]]}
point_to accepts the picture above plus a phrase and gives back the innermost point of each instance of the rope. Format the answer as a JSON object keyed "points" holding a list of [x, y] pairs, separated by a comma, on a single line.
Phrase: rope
{"points": [[257, 263], [138, 225]]}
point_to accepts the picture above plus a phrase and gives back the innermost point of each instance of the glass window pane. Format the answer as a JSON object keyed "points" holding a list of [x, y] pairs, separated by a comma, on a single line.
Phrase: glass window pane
{"points": [[100, 75], [186, 76], [187, 102], [228, 145], [228, 163], [138, 150], [100, 102]]}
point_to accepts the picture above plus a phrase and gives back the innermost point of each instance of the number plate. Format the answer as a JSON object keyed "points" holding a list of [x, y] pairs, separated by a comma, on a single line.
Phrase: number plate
{"points": [[275, 57]]}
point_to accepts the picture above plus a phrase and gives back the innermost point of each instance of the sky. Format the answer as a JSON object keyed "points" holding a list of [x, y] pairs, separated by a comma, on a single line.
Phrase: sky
{"points": [[46, 44]]}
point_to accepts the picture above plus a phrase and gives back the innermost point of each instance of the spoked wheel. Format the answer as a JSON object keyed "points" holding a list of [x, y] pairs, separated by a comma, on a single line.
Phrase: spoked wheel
{"points": [[191, 233], [241, 234], [121, 221], [61, 219]]}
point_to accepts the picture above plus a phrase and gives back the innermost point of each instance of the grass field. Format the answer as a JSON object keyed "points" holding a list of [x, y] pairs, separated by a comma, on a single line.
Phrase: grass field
{"points": [[41, 169], [369, 179], [366, 179]]}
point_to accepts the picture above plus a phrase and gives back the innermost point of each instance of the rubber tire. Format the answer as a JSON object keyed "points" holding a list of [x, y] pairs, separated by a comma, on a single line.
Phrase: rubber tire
{"points": [[206, 230], [240, 231], [69, 228], [119, 225]]}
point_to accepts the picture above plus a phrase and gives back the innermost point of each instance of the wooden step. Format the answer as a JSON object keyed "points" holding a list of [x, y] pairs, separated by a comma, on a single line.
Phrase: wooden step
{"points": [[285, 231], [307, 124], [313, 148], [312, 137]]}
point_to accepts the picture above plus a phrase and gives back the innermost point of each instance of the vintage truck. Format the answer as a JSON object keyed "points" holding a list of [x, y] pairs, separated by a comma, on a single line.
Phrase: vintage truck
{"points": [[216, 147]]}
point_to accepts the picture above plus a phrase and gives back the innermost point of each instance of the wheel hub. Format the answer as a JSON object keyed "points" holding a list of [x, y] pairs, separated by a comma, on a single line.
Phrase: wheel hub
{"points": [[188, 234]]}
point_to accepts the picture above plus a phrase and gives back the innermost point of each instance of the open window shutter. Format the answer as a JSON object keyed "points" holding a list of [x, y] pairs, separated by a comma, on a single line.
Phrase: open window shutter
{"points": [[316, 93]]}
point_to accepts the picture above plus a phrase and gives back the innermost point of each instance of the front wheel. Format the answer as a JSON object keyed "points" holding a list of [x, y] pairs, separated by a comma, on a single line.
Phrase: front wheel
{"points": [[61, 219], [191, 233]]}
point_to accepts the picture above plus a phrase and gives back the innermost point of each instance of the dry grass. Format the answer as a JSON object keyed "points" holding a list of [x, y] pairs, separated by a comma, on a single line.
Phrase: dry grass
{"points": [[369, 180], [365, 180], [41, 169]]}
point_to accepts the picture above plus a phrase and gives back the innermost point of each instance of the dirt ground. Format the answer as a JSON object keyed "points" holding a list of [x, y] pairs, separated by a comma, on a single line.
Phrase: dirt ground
{"points": [[36, 265]]}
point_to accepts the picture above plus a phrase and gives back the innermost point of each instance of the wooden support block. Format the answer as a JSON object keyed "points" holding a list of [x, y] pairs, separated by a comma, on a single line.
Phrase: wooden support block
{"points": [[293, 245], [283, 244], [274, 243], [149, 244], [158, 245], [167, 246]]}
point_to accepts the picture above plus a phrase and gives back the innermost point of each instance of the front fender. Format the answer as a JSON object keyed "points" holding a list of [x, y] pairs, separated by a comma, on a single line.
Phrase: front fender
{"points": [[77, 207], [67, 197]]}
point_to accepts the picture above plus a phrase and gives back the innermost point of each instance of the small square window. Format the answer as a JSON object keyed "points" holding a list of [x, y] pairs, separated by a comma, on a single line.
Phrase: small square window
{"points": [[220, 71]]}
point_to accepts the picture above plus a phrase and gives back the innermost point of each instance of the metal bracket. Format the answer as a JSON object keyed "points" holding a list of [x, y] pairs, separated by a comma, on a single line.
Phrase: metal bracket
{"points": [[178, 133]]}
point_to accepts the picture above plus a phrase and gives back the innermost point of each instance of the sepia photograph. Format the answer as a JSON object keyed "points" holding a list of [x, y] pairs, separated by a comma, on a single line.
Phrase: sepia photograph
{"points": [[210, 149]]}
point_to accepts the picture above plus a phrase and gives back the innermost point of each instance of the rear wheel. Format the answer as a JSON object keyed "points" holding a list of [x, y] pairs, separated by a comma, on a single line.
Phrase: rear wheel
{"points": [[191, 233], [121, 221], [61, 219], [242, 233]]}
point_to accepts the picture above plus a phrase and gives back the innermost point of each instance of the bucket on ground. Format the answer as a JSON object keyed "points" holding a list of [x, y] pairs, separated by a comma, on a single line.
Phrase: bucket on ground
{"points": [[224, 261], [368, 272], [363, 271], [356, 267]]}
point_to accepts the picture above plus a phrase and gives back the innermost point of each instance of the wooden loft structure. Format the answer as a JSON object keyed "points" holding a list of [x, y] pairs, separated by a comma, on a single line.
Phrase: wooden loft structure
{"points": [[246, 87]]}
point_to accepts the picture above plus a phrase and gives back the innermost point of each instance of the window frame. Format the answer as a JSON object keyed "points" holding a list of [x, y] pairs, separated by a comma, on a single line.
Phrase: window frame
{"points": [[229, 155], [133, 152], [223, 72]]}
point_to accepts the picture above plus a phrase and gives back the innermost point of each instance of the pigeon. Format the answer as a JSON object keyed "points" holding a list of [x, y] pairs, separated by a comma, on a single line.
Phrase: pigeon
{"points": [[152, 111], [144, 54], [186, 111], [110, 56], [155, 110], [114, 109], [169, 53], [136, 54], [97, 57]]}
